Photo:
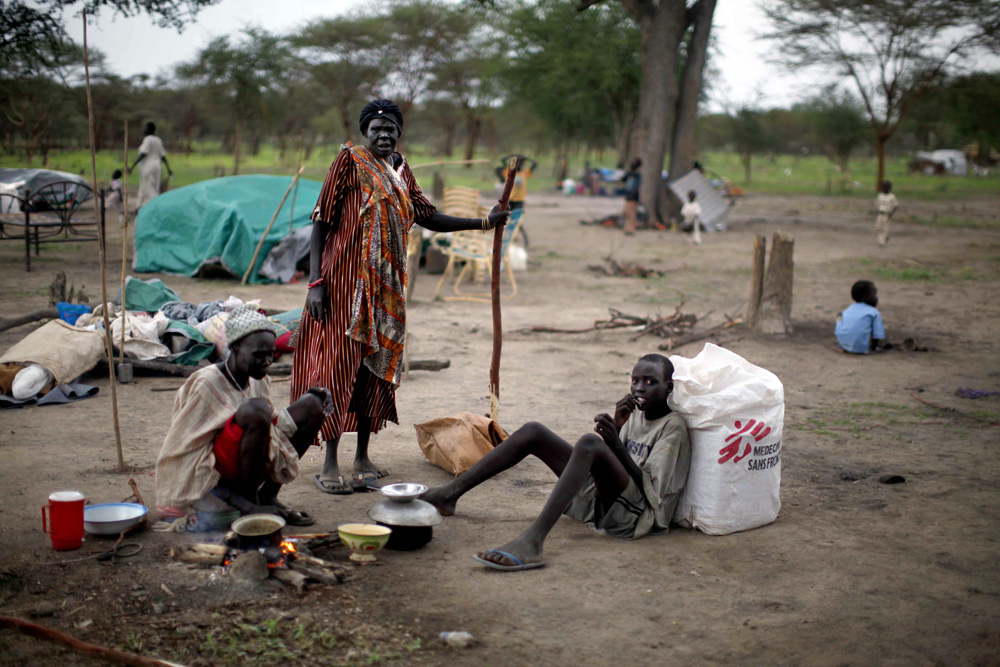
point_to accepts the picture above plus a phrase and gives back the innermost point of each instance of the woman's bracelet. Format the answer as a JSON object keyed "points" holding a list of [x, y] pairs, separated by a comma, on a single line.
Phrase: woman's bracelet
{"points": [[486, 222], [316, 283]]}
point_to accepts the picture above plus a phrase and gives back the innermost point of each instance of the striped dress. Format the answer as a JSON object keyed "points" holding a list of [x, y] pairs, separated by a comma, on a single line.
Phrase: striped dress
{"points": [[324, 355]]}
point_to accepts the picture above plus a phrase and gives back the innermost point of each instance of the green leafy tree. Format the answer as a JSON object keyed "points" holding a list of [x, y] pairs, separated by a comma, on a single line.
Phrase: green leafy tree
{"points": [[30, 33], [750, 136], [244, 79], [837, 122], [893, 51], [584, 91]]}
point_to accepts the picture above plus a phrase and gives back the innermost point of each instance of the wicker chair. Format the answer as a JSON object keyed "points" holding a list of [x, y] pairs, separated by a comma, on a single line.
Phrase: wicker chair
{"points": [[476, 248]]}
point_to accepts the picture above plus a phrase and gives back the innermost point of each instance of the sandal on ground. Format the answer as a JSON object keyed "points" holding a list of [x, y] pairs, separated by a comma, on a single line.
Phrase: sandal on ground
{"points": [[365, 481], [517, 567], [335, 486]]}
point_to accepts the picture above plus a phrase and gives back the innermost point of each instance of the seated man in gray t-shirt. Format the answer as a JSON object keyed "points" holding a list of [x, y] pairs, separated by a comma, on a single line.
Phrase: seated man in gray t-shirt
{"points": [[625, 481]]}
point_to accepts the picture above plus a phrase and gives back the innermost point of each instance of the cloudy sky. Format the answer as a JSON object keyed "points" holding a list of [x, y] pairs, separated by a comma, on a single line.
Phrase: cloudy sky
{"points": [[135, 46]]}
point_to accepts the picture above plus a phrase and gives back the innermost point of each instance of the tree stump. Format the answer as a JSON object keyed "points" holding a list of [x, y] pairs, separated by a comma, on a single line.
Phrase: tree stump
{"points": [[774, 315], [756, 279]]}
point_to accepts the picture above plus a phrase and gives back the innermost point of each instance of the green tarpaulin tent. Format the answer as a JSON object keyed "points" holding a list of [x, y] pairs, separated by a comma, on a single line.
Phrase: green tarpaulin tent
{"points": [[218, 222]]}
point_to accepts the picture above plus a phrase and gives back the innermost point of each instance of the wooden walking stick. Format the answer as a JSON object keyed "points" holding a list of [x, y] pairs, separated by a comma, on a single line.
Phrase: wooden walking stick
{"points": [[121, 352], [100, 249], [502, 205], [260, 244]]}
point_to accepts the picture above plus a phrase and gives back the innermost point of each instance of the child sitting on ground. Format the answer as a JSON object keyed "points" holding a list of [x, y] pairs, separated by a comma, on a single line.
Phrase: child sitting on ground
{"points": [[859, 328], [625, 483], [691, 212]]}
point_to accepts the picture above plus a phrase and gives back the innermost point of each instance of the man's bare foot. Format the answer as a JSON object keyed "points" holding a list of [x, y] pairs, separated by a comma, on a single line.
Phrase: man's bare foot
{"points": [[366, 465], [436, 497], [523, 549]]}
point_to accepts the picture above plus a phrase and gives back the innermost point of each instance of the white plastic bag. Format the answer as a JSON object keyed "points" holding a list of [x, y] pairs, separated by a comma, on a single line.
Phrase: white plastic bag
{"points": [[734, 412], [29, 381]]}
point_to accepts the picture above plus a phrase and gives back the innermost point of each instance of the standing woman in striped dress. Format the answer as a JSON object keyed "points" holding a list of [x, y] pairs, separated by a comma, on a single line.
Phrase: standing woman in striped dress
{"points": [[352, 332]]}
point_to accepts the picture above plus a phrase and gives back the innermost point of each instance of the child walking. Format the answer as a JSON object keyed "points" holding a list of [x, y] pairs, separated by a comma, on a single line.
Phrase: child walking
{"points": [[886, 204]]}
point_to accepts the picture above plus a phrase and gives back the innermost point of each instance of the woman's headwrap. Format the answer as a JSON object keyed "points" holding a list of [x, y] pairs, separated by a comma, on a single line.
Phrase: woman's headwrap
{"points": [[381, 109]]}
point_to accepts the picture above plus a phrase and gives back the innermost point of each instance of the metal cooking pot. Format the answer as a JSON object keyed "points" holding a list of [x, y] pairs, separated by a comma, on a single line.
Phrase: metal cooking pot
{"points": [[412, 522], [258, 530]]}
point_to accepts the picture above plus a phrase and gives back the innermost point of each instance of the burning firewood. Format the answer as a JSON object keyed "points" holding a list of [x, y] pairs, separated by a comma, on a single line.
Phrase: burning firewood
{"points": [[311, 567]]}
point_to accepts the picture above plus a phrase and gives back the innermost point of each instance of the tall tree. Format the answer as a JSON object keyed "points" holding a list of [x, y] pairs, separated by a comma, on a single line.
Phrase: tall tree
{"points": [[31, 32], [683, 147], [893, 51], [662, 28], [838, 124], [242, 76], [584, 94]]}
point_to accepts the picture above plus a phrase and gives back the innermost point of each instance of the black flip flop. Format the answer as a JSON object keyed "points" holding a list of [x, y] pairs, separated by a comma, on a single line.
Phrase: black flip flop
{"points": [[345, 488], [365, 481]]}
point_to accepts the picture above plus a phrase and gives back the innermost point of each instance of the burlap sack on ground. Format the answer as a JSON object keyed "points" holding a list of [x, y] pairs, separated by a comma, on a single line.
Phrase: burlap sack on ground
{"points": [[66, 351], [454, 444]]}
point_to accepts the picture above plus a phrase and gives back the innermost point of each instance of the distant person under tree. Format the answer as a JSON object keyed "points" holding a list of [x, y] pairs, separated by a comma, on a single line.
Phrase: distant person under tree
{"points": [[151, 154]]}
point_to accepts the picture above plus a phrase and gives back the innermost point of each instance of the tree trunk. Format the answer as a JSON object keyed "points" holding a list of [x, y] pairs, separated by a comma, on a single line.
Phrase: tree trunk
{"points": [[683, 148], [472, 126], [880, 141], [747, 158], [236, 149], [756, 279], [775, 314], [660, 30]]}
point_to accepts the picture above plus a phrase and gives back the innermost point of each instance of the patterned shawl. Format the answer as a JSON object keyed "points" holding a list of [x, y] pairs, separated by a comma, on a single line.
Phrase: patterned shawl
{"points": [[378, 312]]}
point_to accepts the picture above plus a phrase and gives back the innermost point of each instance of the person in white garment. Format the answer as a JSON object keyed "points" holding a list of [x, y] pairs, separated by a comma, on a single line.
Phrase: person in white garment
{"points": [[691, 212], [151, 154]]}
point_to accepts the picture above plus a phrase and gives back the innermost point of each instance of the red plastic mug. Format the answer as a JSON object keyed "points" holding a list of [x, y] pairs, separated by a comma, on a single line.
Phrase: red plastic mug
{"points": [[65, 520]]}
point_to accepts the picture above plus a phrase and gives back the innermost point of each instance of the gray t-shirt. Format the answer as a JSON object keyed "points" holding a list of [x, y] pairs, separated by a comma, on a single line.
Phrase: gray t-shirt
{"points": [[662, 449]]}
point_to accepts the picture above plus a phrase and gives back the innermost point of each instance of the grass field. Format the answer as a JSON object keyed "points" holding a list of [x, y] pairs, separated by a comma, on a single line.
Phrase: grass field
{"points": [[779, 174]]}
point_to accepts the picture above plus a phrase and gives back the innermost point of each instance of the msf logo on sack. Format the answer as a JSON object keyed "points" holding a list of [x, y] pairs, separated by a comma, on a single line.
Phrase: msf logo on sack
{"points": [[744, 442]]}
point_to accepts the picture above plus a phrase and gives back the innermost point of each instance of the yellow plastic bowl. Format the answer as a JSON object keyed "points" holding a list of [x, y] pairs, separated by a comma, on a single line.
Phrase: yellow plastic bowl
{"points": [[363, 539]]}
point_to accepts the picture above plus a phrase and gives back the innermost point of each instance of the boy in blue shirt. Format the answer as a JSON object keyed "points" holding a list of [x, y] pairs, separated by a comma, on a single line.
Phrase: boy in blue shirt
{"points": [[859, 328]]}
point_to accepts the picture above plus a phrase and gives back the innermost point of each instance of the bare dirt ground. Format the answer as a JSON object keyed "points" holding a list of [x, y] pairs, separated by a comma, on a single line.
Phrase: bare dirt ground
{"points": [[852, 572]]}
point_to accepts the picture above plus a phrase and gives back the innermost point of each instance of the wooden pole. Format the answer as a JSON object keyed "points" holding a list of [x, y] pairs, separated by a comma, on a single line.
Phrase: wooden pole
{"points": [[775, 315], [56, 637], [121, 350], [100, 250], [503, 205], [295, 179], [756, 278]]}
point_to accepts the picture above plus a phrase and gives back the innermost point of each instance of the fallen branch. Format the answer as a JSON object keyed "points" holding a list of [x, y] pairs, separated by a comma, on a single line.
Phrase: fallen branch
{"points": [[625, 269], [674, 343], [34, 316], [61, 638]]}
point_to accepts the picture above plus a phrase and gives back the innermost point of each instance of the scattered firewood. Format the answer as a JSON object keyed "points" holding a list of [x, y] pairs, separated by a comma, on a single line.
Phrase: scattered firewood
{"points": [[324, 577], [199, 554], [613, 267], [664, 327], [292, 578], [674, 343]]}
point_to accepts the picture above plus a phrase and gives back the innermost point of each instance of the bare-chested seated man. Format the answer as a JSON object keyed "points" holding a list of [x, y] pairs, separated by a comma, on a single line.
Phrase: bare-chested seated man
{"points": [[228, 451], [625, 483]]}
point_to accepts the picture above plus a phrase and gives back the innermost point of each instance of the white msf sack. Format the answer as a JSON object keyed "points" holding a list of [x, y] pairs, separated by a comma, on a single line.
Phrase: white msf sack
{"points": [[734, 412]]}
